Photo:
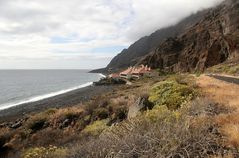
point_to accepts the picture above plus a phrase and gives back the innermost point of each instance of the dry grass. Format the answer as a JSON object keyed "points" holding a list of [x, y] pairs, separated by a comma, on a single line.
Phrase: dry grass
{"points": [[3, 131], [4, 136], [219, 91], [225, 68], [42, 152], [227, 95], [5, 142], [232, 132], [229, 124], [68, 113], [123, 100], [232, 118]]}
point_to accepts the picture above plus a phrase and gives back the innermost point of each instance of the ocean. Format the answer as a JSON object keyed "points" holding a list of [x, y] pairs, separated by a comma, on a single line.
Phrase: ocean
{"points": [[24, 86]]}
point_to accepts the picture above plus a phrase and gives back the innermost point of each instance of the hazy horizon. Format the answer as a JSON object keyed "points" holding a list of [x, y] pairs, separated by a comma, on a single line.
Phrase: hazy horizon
{"points": [[81, 34]]}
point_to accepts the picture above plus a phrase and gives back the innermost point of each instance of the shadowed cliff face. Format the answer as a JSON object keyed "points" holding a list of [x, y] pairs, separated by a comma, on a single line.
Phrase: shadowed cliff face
{"points": [[145, 45], [202, 40], [211, 41]]}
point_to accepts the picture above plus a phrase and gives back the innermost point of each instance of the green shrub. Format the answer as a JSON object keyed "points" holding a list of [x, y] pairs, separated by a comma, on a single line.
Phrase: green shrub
{"points": [[171, 94], [198, 73], [42, 152], [232, 69], [159, 114], [161, 72], [50, 111], [95, 128], [71, 115]]}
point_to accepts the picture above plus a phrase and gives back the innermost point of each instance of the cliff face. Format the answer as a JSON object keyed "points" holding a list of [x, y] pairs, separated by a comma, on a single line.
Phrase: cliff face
{"points": [[213, 40], [146, 44], [202, 40]]}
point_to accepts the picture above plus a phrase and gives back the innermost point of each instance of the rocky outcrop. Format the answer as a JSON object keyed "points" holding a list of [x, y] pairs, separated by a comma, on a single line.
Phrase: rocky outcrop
{"points": [[211, 41], [141, 104], [109, 81]]}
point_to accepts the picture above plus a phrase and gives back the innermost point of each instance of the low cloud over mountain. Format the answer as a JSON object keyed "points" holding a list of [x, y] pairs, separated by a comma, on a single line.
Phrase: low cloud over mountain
{"points": [[81, 33]]}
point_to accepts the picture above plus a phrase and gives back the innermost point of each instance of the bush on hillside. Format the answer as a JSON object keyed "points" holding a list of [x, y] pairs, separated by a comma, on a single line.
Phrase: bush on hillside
{"points": [[119, 113], [100, 114], [95, 128], [42, 152], [171, 93], [36, 122], [232, 69], [109, 81]]}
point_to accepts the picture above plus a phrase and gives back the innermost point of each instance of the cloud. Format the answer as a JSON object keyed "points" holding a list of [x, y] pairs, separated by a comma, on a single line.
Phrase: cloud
{"points": [[81, 33], [156, 14]]}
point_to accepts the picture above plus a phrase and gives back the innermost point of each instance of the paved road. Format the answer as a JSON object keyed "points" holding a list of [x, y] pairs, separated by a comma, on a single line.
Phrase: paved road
{"points": [[226, 78]]}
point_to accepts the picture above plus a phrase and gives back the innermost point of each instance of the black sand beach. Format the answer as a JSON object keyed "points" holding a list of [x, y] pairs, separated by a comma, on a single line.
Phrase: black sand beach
{"points": [[64, 100]]}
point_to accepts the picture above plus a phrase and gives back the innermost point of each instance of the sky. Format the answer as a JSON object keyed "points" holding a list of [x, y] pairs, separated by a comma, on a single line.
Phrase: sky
{"points": [[81, 34]]}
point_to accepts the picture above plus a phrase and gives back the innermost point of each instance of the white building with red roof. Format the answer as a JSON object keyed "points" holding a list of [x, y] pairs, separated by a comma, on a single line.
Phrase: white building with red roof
{"points": [[127, 73], [135, 72], [141, 71]]}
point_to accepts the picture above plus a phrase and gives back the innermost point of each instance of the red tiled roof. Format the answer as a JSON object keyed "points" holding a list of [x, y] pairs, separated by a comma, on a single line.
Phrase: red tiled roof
{"points": [[127, 71], [142, 69], [136, 70], [114, 75]]}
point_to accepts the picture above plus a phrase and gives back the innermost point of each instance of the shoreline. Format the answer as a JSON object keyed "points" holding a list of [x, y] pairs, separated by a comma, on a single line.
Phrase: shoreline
{"points": [[44, 96], [67, 99]]}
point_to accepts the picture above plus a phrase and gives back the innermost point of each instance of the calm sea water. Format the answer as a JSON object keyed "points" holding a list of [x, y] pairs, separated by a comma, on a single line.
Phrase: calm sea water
{"points": [[24, 86]]}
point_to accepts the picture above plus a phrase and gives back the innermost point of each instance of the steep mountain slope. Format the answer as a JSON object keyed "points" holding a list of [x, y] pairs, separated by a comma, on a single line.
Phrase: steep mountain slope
{"points": [[211, 41], [146, 44], [202, 40]]}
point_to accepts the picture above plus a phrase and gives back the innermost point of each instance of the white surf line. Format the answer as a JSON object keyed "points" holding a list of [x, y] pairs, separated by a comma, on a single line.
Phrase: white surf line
{"points": [[41, 97], [102, 75]]}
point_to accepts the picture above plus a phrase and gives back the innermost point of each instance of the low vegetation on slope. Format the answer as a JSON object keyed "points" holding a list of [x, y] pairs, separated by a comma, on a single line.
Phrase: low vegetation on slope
{"points": [[157, 133], [230, 69], [180, 124], [225, 94], [187, 130]]}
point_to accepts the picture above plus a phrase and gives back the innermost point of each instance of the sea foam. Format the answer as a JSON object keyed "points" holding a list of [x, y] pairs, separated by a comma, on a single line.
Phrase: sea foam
{"points": [[45, 96]]}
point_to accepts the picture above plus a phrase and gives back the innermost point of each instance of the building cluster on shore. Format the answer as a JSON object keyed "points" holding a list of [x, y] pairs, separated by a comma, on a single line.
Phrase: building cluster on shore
{"points": [[133, 72]]}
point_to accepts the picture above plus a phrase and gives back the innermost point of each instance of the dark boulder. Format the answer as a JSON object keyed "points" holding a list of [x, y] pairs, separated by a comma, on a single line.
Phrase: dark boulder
{"points": [[65, 123], [16, 125], [109, 81]]}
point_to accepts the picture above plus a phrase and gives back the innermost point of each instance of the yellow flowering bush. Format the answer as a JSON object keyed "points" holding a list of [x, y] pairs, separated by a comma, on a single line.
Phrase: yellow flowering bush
{"points": [[95, 128], [171, 93]]}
